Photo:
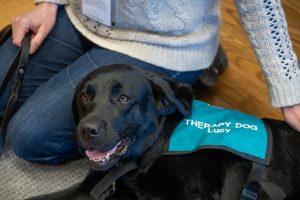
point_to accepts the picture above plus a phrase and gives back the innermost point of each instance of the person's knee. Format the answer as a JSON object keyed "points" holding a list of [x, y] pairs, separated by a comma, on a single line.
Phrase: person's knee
{"points": [[27, 142], [39, 144]]}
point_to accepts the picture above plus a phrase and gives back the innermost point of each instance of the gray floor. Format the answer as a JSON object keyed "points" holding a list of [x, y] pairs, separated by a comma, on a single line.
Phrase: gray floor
{"points": [[20, 179]]}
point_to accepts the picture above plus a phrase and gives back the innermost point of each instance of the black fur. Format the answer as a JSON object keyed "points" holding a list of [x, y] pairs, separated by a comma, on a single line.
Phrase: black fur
{"points": [[154, 106]]}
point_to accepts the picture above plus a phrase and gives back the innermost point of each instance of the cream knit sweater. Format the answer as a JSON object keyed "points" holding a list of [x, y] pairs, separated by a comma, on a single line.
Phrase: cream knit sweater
{"points": [[183, 35]]}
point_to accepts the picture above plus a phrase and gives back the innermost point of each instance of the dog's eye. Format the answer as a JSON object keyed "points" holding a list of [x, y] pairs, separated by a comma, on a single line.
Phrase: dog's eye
{"points": [[83, 97], [123, 99]]}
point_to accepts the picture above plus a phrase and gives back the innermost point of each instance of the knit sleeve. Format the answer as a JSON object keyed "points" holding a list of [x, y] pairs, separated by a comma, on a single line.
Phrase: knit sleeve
{"points": [[61, 2], [265, 24]]}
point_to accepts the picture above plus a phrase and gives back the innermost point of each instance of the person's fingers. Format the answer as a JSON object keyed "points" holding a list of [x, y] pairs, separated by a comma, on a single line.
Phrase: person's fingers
{"points": [[37, 39], [294, 122], [292, 116], [20, 26], [40, 21]]}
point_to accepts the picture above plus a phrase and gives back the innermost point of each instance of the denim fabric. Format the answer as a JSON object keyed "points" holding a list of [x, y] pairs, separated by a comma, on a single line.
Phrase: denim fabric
{"points": [[42, 129]]}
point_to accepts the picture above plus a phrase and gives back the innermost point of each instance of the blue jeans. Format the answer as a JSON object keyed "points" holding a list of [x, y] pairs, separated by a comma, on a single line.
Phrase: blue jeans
{"points": [[42, 129]]}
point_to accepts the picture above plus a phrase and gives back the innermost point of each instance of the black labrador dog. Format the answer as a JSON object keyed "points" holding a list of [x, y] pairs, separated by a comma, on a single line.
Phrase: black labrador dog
{"points": [[124, 114]]}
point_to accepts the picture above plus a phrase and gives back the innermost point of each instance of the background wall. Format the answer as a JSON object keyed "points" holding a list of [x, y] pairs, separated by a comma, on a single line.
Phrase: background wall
{"points": [[242, 85]]}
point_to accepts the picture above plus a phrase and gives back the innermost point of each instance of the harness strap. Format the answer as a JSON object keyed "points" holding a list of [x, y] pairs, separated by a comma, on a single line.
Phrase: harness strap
{"points": [[253, 187], [273, 190], [17, 66], [256, 182], [110, 178]]}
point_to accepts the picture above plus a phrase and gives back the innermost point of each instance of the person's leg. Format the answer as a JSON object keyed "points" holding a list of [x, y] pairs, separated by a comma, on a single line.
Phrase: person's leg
{"points": [[107, 57], [62, 47], [210, 75], [43, 129]]}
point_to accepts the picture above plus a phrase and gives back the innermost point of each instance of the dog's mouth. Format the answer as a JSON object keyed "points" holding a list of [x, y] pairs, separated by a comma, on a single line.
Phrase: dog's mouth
{"points": [[103, 158]]}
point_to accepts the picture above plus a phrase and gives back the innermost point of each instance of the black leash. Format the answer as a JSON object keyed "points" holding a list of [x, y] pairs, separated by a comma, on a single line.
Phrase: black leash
{"points": [[5, 33], [16, 69]]}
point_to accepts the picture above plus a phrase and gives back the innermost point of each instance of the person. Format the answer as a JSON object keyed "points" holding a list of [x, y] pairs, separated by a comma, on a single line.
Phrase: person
{"points": [[175, 38]]}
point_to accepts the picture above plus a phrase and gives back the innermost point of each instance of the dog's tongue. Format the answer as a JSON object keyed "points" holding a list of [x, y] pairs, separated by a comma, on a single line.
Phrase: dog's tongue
{"points": [[98, 155]]}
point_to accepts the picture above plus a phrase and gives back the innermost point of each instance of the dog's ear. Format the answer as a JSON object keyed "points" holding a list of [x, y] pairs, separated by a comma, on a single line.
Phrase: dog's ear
{"points": [[171, 95], [74, 105], [75, 110]]}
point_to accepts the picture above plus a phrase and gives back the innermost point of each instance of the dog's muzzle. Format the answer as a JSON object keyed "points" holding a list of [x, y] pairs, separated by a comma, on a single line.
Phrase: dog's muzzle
{"points": [[102, 158]]}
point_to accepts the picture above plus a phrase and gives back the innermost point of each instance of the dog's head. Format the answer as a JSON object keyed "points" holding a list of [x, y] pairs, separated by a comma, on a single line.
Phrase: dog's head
{"points": [[119, 111]]}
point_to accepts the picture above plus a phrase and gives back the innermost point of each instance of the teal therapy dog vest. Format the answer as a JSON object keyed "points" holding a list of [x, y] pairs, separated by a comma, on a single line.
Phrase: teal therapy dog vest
{"points": [[210, 127]]}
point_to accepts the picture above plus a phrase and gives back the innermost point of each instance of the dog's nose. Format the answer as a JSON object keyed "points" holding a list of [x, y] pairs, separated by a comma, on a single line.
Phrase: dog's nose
{"points": [[92, 130]]}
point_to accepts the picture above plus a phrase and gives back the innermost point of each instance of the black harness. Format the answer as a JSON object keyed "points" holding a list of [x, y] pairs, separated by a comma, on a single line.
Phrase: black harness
{"points": [[255, 183], [107, 185]]}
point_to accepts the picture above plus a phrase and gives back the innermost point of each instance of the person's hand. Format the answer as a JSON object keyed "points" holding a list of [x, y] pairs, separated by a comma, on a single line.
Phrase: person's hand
{"points": [[292, 116], [40, 21]]}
